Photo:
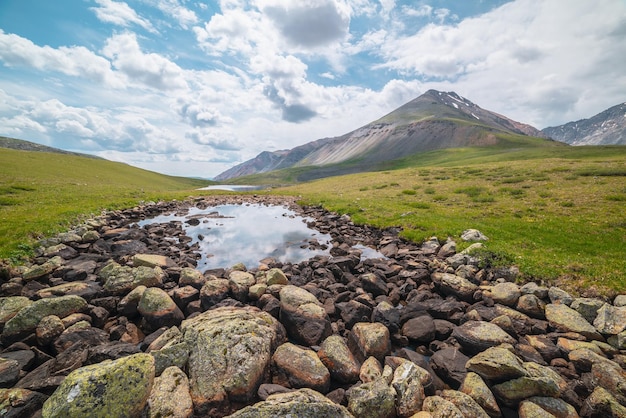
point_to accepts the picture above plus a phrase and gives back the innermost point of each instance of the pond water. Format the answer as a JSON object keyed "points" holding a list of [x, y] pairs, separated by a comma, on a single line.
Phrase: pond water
{"points": [[230, 234]]}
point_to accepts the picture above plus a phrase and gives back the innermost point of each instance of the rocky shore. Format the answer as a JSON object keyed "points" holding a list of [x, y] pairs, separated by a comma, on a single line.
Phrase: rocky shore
{"points": [[113, 320]]}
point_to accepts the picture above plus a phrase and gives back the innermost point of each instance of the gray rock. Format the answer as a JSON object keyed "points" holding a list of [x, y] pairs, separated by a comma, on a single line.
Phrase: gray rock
{"points": [[619, 301], [409, 389], [562, 317], [170, 396], [497, 364], [473, 235], [213, 292], [610, 320], [303, 403], [505, 293], [532, 288], [449, 364], [230, 353], [587, 307], [191, 277], [240, 283], [451, 284], [555, 406], [10, 306], [477, 389], [374, 399], [558, 295], [480, 335], [9, 372], [531, 305]]}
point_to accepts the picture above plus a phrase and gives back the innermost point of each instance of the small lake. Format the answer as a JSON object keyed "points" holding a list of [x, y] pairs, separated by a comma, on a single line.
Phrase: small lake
{"points": [[230, 234], [234, 188]]}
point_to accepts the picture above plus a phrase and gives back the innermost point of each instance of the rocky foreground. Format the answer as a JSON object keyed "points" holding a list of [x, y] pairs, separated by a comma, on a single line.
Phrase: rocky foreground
{"points": [[112, 320]]}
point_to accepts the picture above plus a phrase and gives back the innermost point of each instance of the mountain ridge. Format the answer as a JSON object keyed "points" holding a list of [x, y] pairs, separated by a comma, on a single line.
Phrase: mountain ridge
{"points": [[606, 128], [433, 120]]}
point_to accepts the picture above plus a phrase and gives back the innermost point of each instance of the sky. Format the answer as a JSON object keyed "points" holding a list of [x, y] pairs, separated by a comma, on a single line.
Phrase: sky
{"points": [[192, 88]]}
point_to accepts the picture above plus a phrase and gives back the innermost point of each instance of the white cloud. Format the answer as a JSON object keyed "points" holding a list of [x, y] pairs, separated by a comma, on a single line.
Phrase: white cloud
{"points": [[121, 14], [183, 15], [151, 70], [519, 58], [16, 51]]}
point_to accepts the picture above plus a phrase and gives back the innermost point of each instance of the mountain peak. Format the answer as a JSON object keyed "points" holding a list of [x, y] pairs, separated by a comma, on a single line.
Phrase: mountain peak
{"points": [[434, 120]]}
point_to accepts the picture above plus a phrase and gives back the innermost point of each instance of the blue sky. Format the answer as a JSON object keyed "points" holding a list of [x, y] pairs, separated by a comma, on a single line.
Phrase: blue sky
{"points": [[192, 88]]}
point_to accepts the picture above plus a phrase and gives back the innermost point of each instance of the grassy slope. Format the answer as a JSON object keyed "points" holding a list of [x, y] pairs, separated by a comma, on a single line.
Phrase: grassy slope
{"points": [[42, 193], [559, 212]]}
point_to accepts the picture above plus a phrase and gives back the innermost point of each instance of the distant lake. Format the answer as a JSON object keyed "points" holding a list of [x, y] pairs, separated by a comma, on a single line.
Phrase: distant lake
{"points": [[233, 188]]}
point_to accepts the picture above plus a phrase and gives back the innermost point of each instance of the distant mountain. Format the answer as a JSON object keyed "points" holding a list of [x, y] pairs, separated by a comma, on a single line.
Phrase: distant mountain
{"points": [[22, 145], [434, 120], [605, 128]]}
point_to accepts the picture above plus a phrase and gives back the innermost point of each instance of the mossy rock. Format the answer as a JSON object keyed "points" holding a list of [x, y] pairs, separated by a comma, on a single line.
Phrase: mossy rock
{"points": [[117, 388], [27, 319]]}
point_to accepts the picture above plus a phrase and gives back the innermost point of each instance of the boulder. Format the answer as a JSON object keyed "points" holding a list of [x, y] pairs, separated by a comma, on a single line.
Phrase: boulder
{"points": [[441, 408], [477, 389], [10, 306], [562, 317], [27, 319], [602, 404], [610, 320], [240, 283], [409, 389], [296, 367], [158, 309], [170, 396], [473, 235], [303, 403], [86, 290], [374, 399], [303, 316], [506, 293], [369, 339], [451, 284], [479, 335], [338, 359], [152, 260], [213, 292], [531, 305], [587, 307], [419, 330], [117, 388], [275, 276], [119, 280], [559, 296], [555, 406], [449, 364], [17, 402], [497, 364], [230, 353], [191, 277], [464, 403]]}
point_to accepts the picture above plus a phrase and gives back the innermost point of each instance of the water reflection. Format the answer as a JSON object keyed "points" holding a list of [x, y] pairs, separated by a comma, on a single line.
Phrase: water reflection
{"points": [[230, 234]]}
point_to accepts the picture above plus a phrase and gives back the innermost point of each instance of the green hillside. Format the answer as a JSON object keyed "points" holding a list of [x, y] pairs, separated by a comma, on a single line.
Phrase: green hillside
{"points": [[509, 147], [559, 213], [42, 193]]}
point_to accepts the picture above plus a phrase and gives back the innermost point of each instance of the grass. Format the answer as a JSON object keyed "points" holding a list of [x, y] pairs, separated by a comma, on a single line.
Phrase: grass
{"points": [[44, 193], [558, 231], [558, 212]]}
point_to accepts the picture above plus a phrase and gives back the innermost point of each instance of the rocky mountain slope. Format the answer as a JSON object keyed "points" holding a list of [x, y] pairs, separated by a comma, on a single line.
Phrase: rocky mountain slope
{"points": [[605, 128], [434, 120]]}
